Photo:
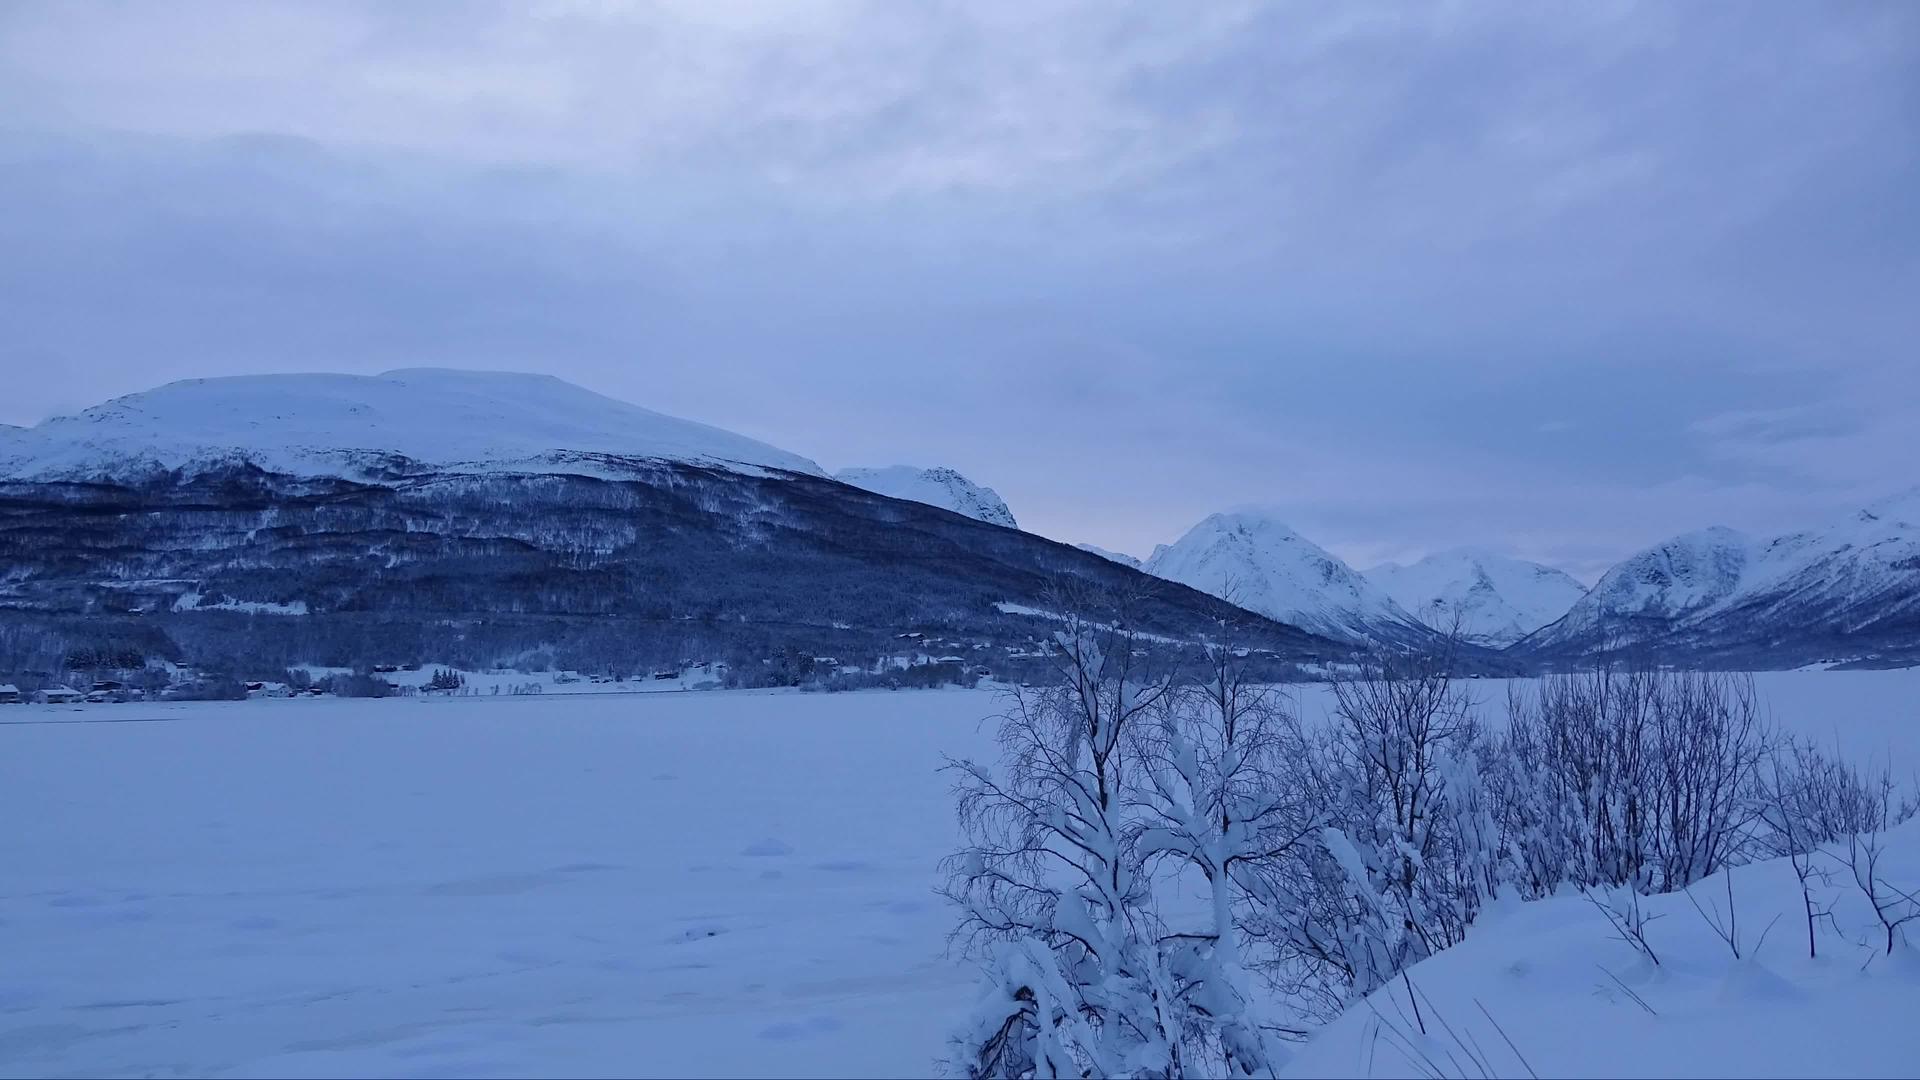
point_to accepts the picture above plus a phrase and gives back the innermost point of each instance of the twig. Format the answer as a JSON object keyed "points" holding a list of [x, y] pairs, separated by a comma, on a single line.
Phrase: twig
{"points": [[1637, 999], [1503, 1035]]}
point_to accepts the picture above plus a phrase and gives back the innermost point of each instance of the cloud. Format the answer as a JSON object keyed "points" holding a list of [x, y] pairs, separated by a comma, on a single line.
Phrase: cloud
{"points": [[1560, 281]]}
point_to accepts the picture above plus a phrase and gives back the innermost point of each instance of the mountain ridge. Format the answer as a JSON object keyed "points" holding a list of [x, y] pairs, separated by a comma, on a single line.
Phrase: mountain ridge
{"points": [[1497, 598], [1846, 590]]}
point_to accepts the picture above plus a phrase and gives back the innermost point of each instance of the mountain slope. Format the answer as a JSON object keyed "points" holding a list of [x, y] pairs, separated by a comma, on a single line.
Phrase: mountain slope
{"points": [[1497, 599], [512, 520], [937, 486], [1262, 565], [1848, 590], [358, 425]]}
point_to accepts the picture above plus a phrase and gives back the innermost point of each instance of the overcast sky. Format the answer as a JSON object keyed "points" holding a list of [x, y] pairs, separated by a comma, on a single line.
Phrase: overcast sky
{"points": [[1559, 279]]}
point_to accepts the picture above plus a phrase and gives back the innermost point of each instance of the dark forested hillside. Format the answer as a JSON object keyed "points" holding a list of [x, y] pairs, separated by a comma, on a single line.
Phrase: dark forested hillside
{"points": [[654, 561]]}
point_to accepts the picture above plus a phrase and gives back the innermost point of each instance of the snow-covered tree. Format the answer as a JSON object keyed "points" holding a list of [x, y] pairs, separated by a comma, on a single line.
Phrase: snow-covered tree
{"points": [[1048, 882], [1217, 802]]}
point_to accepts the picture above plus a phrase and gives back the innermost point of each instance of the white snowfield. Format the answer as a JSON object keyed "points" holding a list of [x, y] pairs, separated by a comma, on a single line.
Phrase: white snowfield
{"points": [[718, 884], [1498, 599], [344, 424], [723, 884], [941, 487], [1262, 565]]}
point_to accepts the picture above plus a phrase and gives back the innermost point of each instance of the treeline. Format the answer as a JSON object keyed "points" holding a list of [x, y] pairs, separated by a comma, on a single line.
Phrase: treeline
{"points": [[39, 647]]}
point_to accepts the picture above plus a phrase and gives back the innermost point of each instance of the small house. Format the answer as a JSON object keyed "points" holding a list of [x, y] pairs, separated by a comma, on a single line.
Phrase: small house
{"points": [[60, 695], [9, 694]]}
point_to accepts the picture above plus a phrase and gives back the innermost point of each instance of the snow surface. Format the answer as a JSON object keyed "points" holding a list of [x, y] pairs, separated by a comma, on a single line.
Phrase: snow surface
{"points": [[716, 884], [1257, 562], [1552, 977], [941, 487], [345, 424], [193, 601], [1497, 598], [688, 884]]}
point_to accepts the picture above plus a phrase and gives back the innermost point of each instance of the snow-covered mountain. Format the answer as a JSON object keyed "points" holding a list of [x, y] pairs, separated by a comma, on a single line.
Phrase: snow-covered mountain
{"points": [[349, 425], [1114, 556], [1260, 564], [1497, 599], [481, 519], [937, 486], [1849, 589]]}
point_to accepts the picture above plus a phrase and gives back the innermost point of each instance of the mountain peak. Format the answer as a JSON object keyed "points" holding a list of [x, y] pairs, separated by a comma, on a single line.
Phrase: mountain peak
{"points": [[1252, 558], [1250, 520]]}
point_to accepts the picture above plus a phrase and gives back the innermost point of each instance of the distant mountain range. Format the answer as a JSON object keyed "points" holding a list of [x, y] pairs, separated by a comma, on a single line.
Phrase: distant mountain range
{"points": [[1496, 599], [495, 515], [1845, 593], [1849, 590]]}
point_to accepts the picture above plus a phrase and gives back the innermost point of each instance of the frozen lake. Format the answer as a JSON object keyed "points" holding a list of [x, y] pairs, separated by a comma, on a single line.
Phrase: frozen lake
{"points": [[706, 883]]}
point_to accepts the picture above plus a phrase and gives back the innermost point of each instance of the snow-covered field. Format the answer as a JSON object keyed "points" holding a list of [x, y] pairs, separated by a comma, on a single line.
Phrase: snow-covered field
{"points": [[708, 883]]}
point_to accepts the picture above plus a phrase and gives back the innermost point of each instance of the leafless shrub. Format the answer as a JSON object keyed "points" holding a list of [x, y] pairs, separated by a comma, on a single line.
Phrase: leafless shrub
{"points": [[1805, 800], [1618, 777], [1892, 906]]}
